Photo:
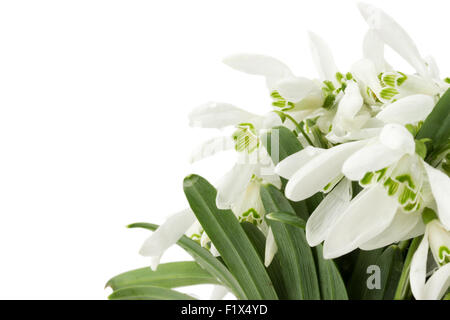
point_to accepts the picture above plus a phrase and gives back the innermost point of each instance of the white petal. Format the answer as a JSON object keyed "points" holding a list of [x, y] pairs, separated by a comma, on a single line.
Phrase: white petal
{"points": [[402, 224], [438, 283], [271, 248], [351, 102], [167, 235], [211, 147], [418, 271], [316, 174], [291, 164], [219, 115], [373, 49], [369, 159], [369, 214], [398, 138], [440, 186], [233, 185], [410, 109], [415, 84], [323, 58], [362, 134], [265, 169], [270, 120], [295, 89], [394, 36], [328, 212], [417, 231], [432, 65], [271, 68], [364, 70], [438, 237], [218, 292], [273, 179]]}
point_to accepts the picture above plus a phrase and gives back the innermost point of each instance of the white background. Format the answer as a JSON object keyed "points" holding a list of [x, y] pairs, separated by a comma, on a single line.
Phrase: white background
{"points": [[94, 97]]}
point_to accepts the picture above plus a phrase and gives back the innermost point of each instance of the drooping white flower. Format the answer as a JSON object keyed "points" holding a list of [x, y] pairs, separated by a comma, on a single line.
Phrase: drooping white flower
{"points": [[278, 76], [393, 35], [385, 83], [315, 169], [167, 235], [238, 189], [436, 239], [328, 212], [398, 185]]}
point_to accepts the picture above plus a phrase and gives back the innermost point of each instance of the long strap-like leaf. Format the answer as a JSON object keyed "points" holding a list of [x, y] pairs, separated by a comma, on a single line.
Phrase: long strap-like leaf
{"points": [[229, 239], [148, 293], [205, 259], [168, 275], [299, 271], [332, 286], [437, 125], [275, 269]]}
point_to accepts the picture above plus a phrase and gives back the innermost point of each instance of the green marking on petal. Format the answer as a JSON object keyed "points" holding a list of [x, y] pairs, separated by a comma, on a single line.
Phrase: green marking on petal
{"points": [[252, 216], [389, 80], [329, 101], [401, 79], [391, 185], [388, 93], [367, 179], [406, 178], [381, 173], [406, 195], [245, 138], [444, 255]]}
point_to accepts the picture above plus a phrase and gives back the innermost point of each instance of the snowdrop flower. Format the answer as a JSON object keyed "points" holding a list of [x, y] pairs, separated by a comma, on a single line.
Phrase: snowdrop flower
{"points": [[315, 169], [166, 235], [436, 239], [279, 78], [398, 184], [253, 161], [238, 189], [382, 82]]}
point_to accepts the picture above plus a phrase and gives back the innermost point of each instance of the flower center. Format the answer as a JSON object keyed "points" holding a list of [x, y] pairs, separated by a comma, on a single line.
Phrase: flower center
{"points": [[403, 181]]}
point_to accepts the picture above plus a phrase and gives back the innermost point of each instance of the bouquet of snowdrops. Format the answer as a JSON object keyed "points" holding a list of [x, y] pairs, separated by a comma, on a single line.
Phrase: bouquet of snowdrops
{"points": [[341, 191]]}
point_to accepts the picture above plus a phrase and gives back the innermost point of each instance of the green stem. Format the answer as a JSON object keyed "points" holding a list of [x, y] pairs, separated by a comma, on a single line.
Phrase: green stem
{"points": [[403, 283], [403, 245], [299, 127]]}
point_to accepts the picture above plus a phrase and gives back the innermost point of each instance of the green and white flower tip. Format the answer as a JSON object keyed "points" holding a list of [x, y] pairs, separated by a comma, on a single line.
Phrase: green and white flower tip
{"points": [[437, 240]]}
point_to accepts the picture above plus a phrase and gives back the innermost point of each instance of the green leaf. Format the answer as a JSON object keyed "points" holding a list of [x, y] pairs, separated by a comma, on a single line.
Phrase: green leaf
{"points": [[390, 264], [274, 270], [280, 142], [403, 291], [168, 275], [148, 293], [299, 271], [358, 282], [205, 259], [437, 125], [229, 239], [332, 286], [287, 218]]}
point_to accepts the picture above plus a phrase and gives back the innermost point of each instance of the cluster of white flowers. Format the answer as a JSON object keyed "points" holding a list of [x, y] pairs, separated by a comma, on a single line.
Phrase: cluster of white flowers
{"points": [[358, 127]]}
